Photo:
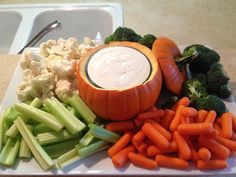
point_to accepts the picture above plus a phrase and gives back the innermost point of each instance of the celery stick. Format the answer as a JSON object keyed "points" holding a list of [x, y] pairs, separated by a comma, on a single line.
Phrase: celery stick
{"points": [[24, 150], [41, 128], [86, 139], [103, 133], [56, 150], [41, 156], [36, 103], [1, 132], [68, 158], [92, 148], [10, 115], [76, 102], [54, 137], [72, 123], [12, 131], [10, 151], [40, 116]]}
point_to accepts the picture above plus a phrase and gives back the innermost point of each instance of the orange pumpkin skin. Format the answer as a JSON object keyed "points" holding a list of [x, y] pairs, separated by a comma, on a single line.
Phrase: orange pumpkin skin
{"points": [[124, 104]]}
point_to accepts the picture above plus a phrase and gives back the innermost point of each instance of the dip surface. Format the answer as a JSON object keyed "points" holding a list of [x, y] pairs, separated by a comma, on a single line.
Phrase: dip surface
{"points": [[118, 67]]}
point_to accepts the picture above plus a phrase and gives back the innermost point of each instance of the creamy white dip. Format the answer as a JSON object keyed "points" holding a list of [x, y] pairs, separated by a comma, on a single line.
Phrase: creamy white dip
{"points": [[118, 67]]}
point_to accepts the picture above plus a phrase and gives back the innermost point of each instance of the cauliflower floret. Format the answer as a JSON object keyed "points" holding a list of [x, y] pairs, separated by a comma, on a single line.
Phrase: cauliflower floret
{"points": [[65, 89], [62, 68], [86, 45], [25, 91]]}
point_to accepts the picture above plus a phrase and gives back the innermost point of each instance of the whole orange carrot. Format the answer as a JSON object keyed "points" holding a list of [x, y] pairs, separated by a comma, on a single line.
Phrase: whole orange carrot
{"points": [[141, 161], [215, 147], [173, 162], [195, 128], [120, 144], [155, 136], [121, 158], [201, 116], [212, 164], [120, 126], [227, 129], [167, 118], [211, 116], [184, 150], [204, 154], [159, 128]]}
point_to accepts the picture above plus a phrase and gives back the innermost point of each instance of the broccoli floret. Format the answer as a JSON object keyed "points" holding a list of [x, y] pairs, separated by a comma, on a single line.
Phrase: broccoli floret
{"points": [[147, 40], [123, 34], [217, 81], [206, 57], [194, 89], [202, 78], [211, 102]]}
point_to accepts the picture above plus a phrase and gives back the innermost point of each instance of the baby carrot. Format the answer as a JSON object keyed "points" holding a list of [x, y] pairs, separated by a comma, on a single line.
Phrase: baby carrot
{"points": [[120, 158], [218, 128], [151, 115], [177, 118], [234, 123], [201, 116], [184, 150], [215, 147], [141, 161], [211, 116], [155, 136], [153, 108], [184, 101], [120, 126], [195, 128], [138, 137], [212, 164], [194, 153], [188, 112], [120, 144], [173, 162], [213, 134], [159, 128], [227, 142], [140, 146], [185, 120], [204, 154], [233, 137], [227, 129], [167, 118]]}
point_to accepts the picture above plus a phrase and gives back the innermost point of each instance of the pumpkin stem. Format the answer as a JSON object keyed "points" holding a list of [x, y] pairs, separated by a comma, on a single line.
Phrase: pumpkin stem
{"points": [[187, 57]]}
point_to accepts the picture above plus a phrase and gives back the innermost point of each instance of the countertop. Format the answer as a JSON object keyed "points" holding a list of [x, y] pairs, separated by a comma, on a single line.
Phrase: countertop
{"points": [[185, 21]]}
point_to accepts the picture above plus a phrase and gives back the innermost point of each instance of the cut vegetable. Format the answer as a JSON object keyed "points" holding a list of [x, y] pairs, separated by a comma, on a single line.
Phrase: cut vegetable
{"points": [[86, 139], [40, 116], [72, 123], [24, 150], [125, 100], [1, 132], [41, 156]]}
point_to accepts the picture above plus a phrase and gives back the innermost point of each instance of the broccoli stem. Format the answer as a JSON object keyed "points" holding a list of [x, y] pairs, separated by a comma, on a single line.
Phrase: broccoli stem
{"points": [[72, 123], [68, 158], [56, 150], [41, 156], [9, 152], [186, 58], [54, 137], [103, 133], [40, 116], [77, 103], [93, 148]]}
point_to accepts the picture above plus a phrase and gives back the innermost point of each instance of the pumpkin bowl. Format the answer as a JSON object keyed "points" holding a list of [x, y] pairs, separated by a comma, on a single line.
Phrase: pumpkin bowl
{"points": [[123, 102]]}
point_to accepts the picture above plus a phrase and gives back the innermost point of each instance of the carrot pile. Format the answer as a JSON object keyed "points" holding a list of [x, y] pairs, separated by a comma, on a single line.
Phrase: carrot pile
{"points": [[175, 137]]}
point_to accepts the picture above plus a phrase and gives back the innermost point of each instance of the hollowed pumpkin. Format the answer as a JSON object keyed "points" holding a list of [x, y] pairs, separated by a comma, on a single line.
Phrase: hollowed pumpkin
{"points": [[119, 103]]}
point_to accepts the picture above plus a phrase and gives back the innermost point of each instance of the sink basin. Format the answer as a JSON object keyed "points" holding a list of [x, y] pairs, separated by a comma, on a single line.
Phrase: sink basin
{"points": [[9, 21], [78, 20]]}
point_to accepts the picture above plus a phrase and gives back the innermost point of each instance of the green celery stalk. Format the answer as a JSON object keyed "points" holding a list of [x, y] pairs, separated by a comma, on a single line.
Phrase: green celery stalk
{"points": [[9, 152], [86, 139], [36, 103], [12, 131], [103, 133], [72, 123], [68, 158], [24, 150], [77, 103], [10, 115], [41, 128], [55, 137], [56, 150], [41, 156], [92, 148], [1, 133], [40, 116]]}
